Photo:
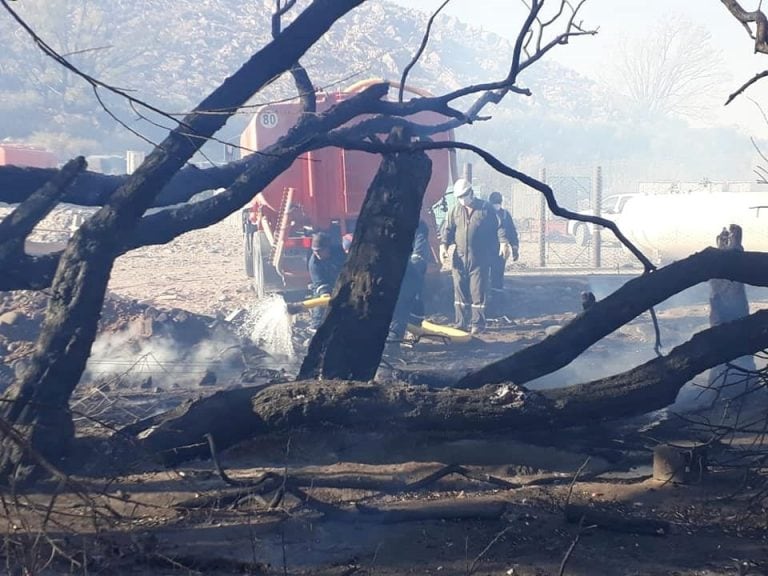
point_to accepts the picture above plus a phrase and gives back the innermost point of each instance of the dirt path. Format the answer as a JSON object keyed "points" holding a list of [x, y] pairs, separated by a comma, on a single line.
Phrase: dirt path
{"points": [[201, 271], [188, 521]]}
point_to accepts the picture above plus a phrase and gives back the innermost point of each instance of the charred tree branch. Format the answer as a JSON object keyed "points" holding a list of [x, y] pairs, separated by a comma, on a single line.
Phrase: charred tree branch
{"points": [[760, 36], [163, 226], [746, 85], [517, 54], [420, 51], [179, 435], [71, 320], [628, 302], [298, 72], [655, 384], [18, 225]]}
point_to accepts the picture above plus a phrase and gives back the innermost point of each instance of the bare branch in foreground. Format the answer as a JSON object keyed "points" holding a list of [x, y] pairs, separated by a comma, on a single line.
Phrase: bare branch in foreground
{"points": [[746, 85], [20, 223], [760, 36], [420, 50]]}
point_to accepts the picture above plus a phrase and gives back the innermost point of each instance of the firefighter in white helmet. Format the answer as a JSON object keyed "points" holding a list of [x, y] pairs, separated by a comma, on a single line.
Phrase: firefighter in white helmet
{"points": [[472, 226]]}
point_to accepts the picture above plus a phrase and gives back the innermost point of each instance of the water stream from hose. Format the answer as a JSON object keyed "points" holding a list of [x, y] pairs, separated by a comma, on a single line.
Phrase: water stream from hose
{"points": [[269, 325]]}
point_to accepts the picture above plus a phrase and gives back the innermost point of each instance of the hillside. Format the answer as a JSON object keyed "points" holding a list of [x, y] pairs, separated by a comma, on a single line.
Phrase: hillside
{"points": [[196, 44], [201, 43]]}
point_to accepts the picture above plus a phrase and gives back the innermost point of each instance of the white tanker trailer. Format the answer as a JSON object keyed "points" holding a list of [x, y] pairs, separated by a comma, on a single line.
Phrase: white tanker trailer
{"points": [[668, 227]]}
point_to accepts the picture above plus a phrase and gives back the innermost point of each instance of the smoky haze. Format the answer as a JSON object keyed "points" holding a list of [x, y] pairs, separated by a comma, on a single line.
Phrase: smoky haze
{"points": [[573, 121]]}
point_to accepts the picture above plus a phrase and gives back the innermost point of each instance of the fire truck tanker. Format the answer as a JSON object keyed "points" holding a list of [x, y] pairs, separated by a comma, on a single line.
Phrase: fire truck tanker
{"points": [[322, 190]]}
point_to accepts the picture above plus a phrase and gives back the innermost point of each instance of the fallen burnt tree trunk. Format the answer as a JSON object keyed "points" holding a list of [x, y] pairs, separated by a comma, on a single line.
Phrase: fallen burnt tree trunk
{"points": [[655, 384], [619, 308], [235, 415], [179, 435]]}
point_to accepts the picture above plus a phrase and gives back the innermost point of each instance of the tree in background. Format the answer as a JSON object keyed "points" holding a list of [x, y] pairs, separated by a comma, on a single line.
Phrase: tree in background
{"points": [[670, 70]]}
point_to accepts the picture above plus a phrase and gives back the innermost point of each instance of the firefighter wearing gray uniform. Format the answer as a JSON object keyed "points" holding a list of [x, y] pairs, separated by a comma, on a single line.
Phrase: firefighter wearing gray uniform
{"points": [[472, 226]]}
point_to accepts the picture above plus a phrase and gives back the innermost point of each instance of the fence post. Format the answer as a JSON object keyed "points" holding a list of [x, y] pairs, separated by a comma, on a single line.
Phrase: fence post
{"points": [[597, 200], [467, 172], [542, 223]]}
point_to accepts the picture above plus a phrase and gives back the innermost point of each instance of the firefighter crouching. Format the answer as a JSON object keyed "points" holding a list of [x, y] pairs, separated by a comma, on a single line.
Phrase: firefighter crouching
{"points": [[473, 227], [325, 265]]}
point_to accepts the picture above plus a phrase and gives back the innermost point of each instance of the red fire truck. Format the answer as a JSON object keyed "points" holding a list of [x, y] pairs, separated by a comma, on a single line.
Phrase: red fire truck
{"points": [[322, 190]]}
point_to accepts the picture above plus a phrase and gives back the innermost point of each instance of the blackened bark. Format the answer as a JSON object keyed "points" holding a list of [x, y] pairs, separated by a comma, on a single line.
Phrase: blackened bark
{"points": [[94, 189], [18, 225], [367, 406], [349, 343], [625, 304], [655, 384], [179, 436], [37, 402], [14, 229], [226, 415]]}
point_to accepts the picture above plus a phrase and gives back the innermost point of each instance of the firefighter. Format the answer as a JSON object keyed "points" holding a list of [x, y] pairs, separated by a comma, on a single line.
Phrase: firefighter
{"points": [[472, 226], [500, 256], [325, 265], [409, 307]]}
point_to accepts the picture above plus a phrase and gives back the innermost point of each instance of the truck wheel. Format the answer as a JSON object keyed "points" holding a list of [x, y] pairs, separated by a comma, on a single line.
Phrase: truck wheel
{"points": [[582, 235], [248, 254]]}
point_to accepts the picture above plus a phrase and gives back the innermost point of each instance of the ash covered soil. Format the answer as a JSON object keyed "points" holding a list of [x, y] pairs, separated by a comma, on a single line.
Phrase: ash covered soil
{"points": [[175, 328]]}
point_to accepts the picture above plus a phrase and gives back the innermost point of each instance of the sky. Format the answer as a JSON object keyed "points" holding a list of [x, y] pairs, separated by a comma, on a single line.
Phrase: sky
{"points": [[617, 19]]}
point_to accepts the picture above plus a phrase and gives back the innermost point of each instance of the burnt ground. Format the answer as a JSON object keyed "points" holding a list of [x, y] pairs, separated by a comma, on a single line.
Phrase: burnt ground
{"points": [[353, 502]]}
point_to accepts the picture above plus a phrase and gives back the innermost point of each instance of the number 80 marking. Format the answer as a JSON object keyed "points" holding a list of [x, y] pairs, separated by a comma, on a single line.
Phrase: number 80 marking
{"points": [[268, 119]]}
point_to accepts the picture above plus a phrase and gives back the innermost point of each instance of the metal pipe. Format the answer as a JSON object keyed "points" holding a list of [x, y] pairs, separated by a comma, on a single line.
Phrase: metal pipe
{"points": [[597, 201]]}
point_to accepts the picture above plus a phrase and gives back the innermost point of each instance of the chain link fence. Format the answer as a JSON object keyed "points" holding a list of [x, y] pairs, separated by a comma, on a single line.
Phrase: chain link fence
{"points": [[549, 243]]}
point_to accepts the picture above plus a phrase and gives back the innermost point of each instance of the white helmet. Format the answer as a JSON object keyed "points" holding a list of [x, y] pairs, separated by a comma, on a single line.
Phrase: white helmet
{"points": [[461, 187]]}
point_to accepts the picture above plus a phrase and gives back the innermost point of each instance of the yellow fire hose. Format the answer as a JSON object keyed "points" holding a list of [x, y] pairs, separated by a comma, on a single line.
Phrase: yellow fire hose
{"points": [[426, 330]]}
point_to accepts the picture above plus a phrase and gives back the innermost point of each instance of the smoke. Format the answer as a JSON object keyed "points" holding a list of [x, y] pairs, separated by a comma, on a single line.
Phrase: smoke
{"points": [[133, 359], [633, 344], [190, 354], [600, 361]]}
